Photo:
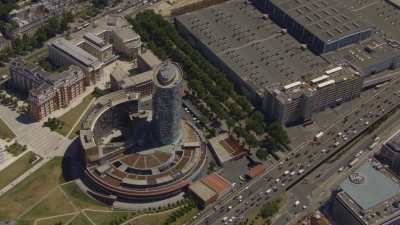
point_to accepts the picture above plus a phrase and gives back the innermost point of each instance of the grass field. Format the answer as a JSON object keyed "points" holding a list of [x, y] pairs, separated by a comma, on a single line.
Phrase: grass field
{"points": [[107, 218], [55, 204], [30, 190], [80, 199], [71, 117], [187, 217], [81, 219], [5, 131], [57, 220], [151, 219], [17, 168]]}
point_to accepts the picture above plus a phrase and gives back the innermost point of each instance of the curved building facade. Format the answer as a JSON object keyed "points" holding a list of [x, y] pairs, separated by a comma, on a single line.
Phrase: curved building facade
{"points": [[167, 102]]}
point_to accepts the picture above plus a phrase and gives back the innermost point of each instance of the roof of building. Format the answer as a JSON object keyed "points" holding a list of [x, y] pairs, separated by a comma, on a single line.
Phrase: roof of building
{"points": [[222, 154], [126, 80], [95, 39], [127, 34], [256, 170], [217, 183], [329, 20], [249, 44], [369, 187], [167, 74], [394, 143], [202, 191], [367, 53], [149, 58], [77, 53]]}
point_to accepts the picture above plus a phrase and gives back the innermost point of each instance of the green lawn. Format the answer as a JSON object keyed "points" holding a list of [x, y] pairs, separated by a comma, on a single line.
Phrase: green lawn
{"points": [[151, 219], [16, 169], [80, 220], [69, 119], [5, 131], [80, 199], [31, 190], [58, 220], [187, 217], [55, 204], [107, 218]]}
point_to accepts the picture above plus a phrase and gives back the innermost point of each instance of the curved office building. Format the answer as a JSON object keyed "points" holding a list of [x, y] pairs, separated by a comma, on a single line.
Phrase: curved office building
{"points": [[167, 102]]}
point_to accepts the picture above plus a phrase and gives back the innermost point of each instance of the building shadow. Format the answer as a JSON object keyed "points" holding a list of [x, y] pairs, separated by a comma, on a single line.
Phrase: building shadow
{"points": [[72, 163], [25, 119]]}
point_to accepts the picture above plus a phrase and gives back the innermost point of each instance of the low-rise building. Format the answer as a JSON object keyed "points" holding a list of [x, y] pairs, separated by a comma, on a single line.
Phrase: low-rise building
{"points": [[47, 92], [209, 189], [370, 195], [225, 148], [390, 153], [126, 42]]}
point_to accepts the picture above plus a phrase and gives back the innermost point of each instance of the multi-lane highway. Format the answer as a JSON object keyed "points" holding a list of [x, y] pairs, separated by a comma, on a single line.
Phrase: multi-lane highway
{"points": [[294, 168]]}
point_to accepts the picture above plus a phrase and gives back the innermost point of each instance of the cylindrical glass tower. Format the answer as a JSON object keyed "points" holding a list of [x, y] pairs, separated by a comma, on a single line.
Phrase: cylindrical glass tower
{"points": [[167, 102]]}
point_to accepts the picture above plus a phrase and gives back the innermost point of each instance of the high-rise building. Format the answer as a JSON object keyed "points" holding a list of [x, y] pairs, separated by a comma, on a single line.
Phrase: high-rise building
{"points": [[167, 102]]}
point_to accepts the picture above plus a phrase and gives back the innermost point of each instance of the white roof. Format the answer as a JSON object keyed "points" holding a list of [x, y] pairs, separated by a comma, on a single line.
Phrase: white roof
{"points": [[326, 83], [292, 85], [319, 79], [334, 70]]}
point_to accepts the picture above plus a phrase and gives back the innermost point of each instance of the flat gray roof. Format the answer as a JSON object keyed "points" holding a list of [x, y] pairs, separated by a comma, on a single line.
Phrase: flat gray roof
{"points": [[365, 54], [376, 188], [251, 46], [79, 54], [127, 34], [202, 191], [94, 39], [329, 20]]}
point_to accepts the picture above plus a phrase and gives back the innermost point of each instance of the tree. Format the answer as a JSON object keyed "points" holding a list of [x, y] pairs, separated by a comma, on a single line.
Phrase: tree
{"points": [[277, 132], [261, 154], [269, 209]]}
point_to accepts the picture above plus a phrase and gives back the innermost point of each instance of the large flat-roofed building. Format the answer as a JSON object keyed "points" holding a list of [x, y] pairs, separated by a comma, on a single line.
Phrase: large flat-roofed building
{"points": [[324, 25], [63, 52], [297, 101], [47, 92], [370, 195], [251, 49], [370, 56]]}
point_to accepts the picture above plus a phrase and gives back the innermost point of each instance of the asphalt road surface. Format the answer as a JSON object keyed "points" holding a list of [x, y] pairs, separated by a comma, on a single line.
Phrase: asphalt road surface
{"points": [[305, 160]]}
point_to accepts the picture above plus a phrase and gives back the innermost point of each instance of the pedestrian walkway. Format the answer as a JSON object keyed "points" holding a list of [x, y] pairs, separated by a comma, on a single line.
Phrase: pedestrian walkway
{"points": [[41, 140]]}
